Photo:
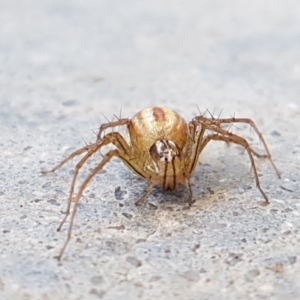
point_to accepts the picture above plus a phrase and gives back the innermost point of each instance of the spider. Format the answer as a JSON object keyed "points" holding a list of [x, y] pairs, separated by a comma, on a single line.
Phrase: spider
{"points": [[162, 148]]}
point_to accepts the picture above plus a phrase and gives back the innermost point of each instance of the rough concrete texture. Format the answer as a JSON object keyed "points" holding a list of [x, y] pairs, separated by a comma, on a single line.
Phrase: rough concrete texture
{"points": [[65, 64]]}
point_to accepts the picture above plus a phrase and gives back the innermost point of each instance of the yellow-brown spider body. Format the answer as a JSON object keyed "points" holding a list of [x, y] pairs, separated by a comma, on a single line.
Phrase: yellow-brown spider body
{"points": [[153, 124], [162, 148], [157, 137]]}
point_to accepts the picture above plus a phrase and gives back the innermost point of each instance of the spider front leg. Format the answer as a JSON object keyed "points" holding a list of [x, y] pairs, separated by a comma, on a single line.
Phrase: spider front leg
{"points": [[120, 122], [112, 138], [72, 155], [90, 149], [108, 156], [96, 170]]}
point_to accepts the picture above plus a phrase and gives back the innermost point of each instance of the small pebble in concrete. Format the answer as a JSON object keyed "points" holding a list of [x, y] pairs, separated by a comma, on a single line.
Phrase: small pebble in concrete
{"points": [[120, 227], [152, 206], [70, 102], [53, 202], [292, 259], [97, 280], [119, 193], [276, 268], [275, 133], [155, 278], [191, 275], [253, 273], [98, 294], [27, 148], [233, 259], [211, 191], [23, 182], [134, 261], [128, 216], [46, 185], [247, 187]]}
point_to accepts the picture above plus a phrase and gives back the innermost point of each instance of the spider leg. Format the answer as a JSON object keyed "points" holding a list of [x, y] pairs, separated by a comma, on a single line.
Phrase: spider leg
{"points": [[219, 122], [123, 152], [96, 170], [119, 122], [190, 194], [192, 153], [72, 155], [233, 138], [114, 138], [258, 154], [143, 198], [222, 131]]}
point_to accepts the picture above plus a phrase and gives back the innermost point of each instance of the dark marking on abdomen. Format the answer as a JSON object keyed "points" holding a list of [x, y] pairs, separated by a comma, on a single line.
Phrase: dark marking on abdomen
{"points": [[158, 114]]}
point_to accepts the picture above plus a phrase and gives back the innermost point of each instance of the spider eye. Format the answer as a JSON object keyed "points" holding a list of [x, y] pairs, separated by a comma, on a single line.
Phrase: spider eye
{"points": [[164, 150]]}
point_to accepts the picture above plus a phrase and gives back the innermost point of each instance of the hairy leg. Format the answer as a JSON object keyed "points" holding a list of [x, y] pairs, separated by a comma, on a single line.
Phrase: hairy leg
{"points": [[72, 155], [120, 122], [96, 170], [143, 198], [235, 139], [112, 138], [216, 125]]}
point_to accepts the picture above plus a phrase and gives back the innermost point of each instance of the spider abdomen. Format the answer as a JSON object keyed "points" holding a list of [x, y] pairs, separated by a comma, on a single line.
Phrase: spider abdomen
{"points": [[154, 124]]}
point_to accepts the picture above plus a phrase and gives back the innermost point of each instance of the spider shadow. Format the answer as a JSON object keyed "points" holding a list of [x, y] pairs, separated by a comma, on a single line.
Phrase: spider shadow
{"points": [[221, 172], [231, 173], [228, 174]]}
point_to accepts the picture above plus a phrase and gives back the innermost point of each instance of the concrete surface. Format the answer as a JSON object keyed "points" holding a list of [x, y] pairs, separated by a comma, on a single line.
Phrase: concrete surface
{"points": [[65, 64]]}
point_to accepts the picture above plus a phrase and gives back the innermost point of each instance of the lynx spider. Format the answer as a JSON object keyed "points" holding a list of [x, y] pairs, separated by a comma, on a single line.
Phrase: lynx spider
{"points": [[162, 148]]}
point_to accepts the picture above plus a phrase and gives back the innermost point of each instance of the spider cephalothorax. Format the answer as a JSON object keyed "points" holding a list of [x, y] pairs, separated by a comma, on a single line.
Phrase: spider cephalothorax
{"points": [[162, 148]]}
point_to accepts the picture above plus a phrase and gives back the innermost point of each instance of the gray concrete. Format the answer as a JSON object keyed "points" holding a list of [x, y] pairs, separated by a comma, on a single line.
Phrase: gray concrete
{"points": [[65, 64]]}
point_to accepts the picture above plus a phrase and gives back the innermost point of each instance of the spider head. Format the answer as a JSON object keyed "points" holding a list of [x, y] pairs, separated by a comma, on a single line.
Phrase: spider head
{"points": [[163, 154]]}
